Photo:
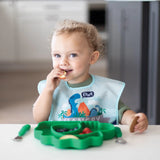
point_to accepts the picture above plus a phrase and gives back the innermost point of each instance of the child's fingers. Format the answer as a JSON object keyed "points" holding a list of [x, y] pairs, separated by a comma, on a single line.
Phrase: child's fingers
{"points": [[55, 73], [52, 79], [141, 126], [140, 123], [142, 117], [140, 130]]}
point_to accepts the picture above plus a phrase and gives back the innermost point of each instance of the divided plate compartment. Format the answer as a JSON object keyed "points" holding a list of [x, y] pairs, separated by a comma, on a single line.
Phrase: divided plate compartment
{"points": [[46, 132]]}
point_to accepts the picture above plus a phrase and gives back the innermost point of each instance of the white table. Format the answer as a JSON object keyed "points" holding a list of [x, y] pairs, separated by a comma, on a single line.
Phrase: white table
{"points": [[144, 146]]}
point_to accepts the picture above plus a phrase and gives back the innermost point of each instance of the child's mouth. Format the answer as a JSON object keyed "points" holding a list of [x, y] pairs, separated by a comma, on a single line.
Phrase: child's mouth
{"points": [[68, 71]]}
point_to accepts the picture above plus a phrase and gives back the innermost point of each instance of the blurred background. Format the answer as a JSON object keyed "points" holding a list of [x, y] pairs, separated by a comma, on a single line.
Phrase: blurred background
{"points": [[130, 32]]}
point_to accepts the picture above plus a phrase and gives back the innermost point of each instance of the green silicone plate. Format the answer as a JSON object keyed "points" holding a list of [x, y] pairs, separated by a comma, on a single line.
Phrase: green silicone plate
{"points": [[47, 133]]}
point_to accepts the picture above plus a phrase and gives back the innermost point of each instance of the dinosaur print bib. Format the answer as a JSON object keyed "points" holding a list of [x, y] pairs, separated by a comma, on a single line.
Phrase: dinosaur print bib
{"points": [[95, 102]]}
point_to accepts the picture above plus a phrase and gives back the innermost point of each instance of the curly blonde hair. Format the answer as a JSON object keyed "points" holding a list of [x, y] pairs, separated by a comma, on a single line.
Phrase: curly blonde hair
{"points": [[89, 30]]}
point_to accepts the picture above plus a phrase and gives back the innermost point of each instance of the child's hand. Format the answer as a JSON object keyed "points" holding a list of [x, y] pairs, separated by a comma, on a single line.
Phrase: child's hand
{"points": [[53, 79], [142, 123]]}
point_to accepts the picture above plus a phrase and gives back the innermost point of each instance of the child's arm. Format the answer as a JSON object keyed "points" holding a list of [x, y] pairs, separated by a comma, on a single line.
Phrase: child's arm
{"points": [[42, 106], [142, 122]]}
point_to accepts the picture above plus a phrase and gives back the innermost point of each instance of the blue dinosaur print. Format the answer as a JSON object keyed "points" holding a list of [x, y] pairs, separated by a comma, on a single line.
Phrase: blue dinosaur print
{"points": [[95, 111], [73, 104]]}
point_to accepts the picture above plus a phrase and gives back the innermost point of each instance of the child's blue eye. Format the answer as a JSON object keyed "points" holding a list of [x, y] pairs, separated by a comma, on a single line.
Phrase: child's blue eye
{"points": [[57, 55], [73, 55]]}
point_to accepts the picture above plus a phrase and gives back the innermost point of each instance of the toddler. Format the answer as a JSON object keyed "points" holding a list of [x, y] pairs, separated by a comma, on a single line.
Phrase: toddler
{"points": [[70, 92]]}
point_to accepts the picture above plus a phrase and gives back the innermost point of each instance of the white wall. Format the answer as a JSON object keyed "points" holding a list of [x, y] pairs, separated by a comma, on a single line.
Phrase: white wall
{"points": [[26, 27]]}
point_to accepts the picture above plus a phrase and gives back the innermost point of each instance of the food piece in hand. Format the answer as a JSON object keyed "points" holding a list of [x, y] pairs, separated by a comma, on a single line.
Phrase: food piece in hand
{"points": [[133, 123], [63, 76], [69, 137]]}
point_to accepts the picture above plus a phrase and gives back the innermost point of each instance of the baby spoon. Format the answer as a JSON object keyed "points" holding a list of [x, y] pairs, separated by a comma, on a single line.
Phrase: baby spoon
{"points": [[22, 132]]}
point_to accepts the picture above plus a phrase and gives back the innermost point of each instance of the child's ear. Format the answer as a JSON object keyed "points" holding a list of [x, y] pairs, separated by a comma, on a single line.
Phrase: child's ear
{"points": [[94, 57]]}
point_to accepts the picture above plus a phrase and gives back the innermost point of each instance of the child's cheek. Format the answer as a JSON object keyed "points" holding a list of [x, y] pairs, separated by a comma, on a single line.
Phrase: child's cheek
{"points": [[54, 64]]}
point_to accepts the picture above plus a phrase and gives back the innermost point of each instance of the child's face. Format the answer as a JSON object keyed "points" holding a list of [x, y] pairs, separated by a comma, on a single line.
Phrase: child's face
{"points": [[71, 53]]}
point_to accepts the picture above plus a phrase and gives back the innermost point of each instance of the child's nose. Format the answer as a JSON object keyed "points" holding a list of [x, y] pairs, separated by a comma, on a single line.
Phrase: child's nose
{"points": [[64, 61]]}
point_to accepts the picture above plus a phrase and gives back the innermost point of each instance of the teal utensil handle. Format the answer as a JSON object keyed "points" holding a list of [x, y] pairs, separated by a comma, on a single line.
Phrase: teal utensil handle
{"points": [[24, 129]]}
